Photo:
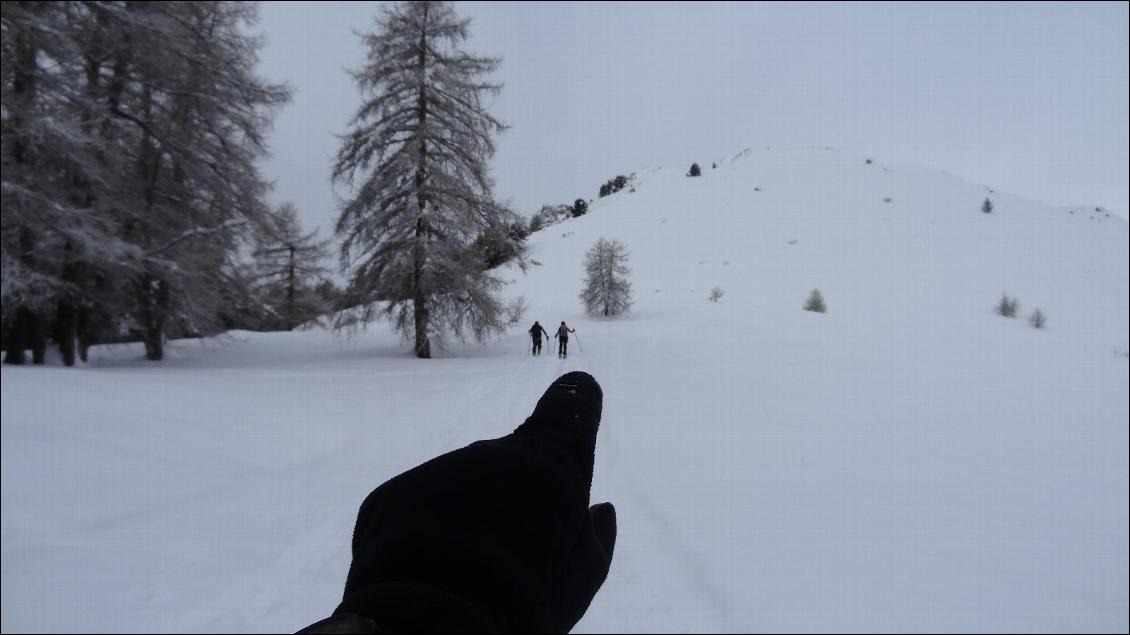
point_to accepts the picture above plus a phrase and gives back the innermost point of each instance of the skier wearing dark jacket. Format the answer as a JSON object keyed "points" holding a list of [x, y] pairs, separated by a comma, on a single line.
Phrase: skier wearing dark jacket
{"points": [[563, 339], [536, 332], [496, 537]]}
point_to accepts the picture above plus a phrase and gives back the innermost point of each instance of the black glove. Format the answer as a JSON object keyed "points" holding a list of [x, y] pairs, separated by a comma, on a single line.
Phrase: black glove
{"points": [[497, 536]]}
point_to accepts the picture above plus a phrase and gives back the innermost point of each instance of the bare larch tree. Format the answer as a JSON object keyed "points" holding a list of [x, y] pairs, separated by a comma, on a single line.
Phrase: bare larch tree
{"points": [[415, 158], [289, 266], [607, 290]]}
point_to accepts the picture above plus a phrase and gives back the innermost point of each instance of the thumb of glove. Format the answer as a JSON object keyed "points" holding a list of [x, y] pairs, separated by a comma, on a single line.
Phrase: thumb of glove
{"points": [[585, 571], [603, 517]]}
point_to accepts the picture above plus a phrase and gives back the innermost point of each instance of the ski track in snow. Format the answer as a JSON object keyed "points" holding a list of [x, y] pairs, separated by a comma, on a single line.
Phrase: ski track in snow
{"points": [[646, 531]]}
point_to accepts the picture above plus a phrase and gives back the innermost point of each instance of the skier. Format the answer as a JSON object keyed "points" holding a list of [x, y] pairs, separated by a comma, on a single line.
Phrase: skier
{"points": [[536, 331], [496, 537], [563, 339]]}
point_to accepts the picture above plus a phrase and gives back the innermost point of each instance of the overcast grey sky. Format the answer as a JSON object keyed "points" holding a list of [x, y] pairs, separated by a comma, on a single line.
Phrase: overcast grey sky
{"points": [[1031, 99]]}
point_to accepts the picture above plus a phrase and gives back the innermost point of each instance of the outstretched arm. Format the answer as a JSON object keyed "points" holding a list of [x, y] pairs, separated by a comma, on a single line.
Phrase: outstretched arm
{"points": [[498, 536]]}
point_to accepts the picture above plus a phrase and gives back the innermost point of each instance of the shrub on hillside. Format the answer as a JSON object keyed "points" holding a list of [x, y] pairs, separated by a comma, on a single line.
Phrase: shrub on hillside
{"points": [[611, 186], [1007, 307], [549, 215], [815, 302]]}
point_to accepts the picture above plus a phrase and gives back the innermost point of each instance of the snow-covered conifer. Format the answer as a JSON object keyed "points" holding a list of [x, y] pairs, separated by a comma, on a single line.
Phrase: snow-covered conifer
{"points": [[607, 290], [289, 267], [131, 134], [415, 156], [815, 302]]}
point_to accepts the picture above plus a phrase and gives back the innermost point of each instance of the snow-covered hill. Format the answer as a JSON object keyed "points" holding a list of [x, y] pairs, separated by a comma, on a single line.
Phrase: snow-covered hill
{"points": [[908, 461]]}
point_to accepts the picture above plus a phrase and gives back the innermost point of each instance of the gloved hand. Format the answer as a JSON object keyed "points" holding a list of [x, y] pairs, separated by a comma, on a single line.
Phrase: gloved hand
{"points": [[497, 536]]}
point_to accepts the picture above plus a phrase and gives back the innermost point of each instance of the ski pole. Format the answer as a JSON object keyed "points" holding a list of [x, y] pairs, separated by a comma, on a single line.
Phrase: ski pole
{"points": [[580, 349]]}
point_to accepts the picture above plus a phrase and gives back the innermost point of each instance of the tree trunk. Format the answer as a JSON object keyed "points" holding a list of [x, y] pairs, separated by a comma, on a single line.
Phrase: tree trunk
{"points": [[607, 277], [19, 340], [65, 310], [155, 300], [66, 331], [423, 344], [38, 331], [419, 301], [419, 255], [15, 353], [155, 341], [82, 325], [290, 293]]}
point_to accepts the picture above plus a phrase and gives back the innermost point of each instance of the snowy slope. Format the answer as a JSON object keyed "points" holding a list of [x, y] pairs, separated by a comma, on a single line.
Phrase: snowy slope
{"points": [[907, 461]]}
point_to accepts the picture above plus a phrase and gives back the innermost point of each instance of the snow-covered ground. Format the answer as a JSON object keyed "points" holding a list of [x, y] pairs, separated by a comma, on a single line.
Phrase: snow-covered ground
{"points": [[908, 461]]}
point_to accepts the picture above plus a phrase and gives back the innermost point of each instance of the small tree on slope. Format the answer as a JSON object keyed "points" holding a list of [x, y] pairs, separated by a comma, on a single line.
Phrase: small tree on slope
{"points": [[607, 290], [1007, 307], [815, 302]]}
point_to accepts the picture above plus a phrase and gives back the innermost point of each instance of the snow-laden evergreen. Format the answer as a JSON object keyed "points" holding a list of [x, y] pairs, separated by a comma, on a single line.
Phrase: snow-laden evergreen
{"points": [[289, 264], [415, 158], [131, 133]]}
